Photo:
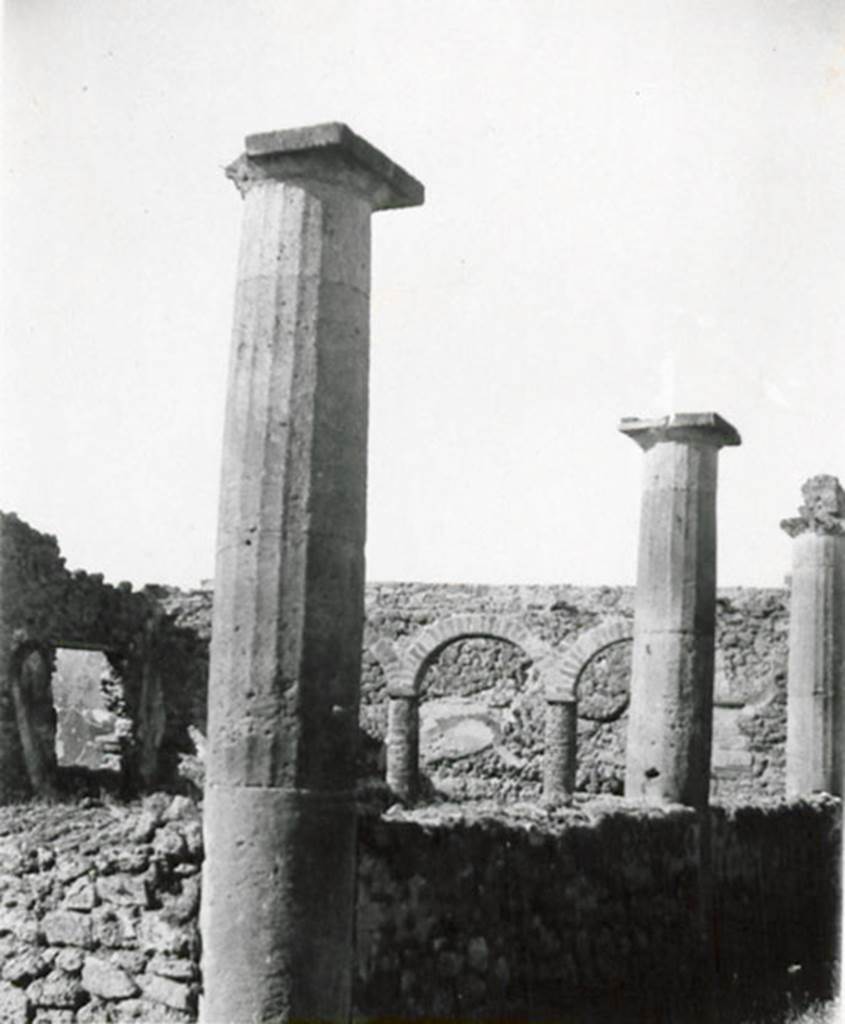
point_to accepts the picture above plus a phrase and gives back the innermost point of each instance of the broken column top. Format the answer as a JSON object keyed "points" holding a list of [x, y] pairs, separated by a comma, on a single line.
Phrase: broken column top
{"points": [[329, 154], [701, 428], [823, 510]]}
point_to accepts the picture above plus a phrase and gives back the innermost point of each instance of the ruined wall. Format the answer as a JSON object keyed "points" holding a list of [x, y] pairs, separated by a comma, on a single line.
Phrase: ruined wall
{"points": [[750, 717], [457, 917], [749, 750], [490, 684], [44, 606], [481, 709]]}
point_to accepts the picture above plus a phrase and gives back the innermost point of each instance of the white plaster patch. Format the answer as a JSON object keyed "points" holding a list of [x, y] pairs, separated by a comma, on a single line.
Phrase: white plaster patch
{"points": [[730, 745], [455, 727]]}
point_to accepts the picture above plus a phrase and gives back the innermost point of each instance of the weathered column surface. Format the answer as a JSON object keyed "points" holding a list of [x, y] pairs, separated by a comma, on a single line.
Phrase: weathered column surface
{"points": [[815, 729], [403, 746], [671, 712], [279, 816], [560, 756]]}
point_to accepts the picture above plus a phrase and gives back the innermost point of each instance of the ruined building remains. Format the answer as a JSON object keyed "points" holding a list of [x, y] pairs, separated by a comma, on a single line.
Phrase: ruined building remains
{"points": [[460, 801]]}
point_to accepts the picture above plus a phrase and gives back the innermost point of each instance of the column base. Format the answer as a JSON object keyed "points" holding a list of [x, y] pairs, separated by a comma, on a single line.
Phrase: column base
{"points": [[277, 905]]}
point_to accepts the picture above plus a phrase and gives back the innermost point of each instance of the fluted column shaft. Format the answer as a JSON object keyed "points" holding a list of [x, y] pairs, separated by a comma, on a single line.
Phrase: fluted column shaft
{"points": [[279, 813]]}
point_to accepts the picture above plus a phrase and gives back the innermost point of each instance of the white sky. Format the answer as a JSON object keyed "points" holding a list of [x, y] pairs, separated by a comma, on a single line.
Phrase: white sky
{"points": [[633, 207]]}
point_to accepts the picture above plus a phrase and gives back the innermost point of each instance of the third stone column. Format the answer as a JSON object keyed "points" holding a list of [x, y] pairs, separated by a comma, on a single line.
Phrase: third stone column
{"points": [[815, 716]]}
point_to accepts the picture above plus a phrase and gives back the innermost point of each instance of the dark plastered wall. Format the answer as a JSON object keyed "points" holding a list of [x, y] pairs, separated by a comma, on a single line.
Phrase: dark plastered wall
{"points": [[485, 920]]}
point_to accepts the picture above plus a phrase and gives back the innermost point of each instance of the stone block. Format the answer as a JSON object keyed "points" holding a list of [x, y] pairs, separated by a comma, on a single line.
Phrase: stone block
{"points": [[68, 928], [58, 990], [184, 907], [145, 826], [104, 979], [20, 923], [69, 960], [168, 844], [186, 870], [46, 858], [54, 1016], [12, 888], [24, 968], [71, 868], [114, 927], [80, 896], [145, 1011], [123, 890], [167, 992], [96, 1012], [176, 968], [133, 860], [162, 936], [179, 808], [14, 1005], [133, 961], [192, 831]]}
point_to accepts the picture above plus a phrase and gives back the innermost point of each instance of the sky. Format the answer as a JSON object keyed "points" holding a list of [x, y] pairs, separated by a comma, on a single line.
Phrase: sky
{"points": [[633, 208]]}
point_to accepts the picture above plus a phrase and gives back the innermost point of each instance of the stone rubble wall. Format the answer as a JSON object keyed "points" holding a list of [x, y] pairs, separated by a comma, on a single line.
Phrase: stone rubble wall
{"points": [[749, 738], [98, 913], [460, 914], [488, 683], [156, 665]]}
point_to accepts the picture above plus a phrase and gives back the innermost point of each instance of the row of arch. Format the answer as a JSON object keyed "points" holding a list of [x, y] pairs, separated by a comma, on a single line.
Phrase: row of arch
{"points": [[558, 673]]}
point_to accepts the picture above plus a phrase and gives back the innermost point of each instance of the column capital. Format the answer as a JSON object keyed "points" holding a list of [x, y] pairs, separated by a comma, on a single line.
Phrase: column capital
{"points": [[823, 510], [328, 154], [697, 428]]}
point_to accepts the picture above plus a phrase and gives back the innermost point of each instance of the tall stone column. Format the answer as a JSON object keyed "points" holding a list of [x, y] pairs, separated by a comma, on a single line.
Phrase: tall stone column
{"points": [[815, 715], [671, 710], [279, 813]]}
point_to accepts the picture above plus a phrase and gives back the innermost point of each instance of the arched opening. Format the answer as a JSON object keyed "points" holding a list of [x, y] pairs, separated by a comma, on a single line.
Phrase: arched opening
{"points": [[480, 720], [491, 713]]}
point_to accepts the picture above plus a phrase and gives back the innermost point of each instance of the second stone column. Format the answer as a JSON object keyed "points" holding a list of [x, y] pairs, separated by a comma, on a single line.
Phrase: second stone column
{"points": [[671, 709]]}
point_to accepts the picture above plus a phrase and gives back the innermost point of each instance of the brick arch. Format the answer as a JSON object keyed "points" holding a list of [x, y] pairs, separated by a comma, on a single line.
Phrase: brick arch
{"points": [[404, 671], [386, 654], [589, 644]]}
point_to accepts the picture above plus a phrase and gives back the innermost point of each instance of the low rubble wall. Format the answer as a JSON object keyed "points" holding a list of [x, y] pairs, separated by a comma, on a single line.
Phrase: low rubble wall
{"points": [[462, 914]]}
